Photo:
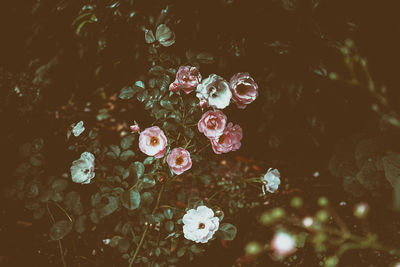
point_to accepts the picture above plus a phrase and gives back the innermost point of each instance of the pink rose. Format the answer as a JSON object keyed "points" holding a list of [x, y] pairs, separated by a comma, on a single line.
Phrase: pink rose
{"points": [[187, 79], [179, 160], [244, 89], [212, 124], [152, 142], [229, 140], [135, 128]]}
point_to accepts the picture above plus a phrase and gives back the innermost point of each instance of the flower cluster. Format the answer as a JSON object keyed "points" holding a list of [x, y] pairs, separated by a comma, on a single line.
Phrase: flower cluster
{"points": [[153, 142], [214, 91], [223, 137]]}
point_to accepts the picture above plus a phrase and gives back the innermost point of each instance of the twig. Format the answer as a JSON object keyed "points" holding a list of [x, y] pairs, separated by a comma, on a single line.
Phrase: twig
{"points": [[146, 228]]}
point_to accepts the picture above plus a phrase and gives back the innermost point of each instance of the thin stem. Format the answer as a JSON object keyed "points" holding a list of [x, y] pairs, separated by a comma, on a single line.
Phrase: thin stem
{"points": [[203, 148], [59, 241], [146, 228], [65, 212], [62, 253]]}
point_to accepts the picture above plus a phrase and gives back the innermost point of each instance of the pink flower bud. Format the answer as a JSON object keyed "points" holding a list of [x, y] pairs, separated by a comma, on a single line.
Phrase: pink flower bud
{"points": [[135, 128]]}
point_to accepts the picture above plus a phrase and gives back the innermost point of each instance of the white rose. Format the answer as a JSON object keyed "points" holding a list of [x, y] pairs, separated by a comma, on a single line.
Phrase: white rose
{"points": [[78, 129], [199, 225], [215, 90], [82, 169], [271, 180]]}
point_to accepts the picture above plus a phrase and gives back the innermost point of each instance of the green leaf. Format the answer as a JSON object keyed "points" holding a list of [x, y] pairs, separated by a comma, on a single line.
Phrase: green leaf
{"points": [[130, 199], [126, 155], [80, 224], [227, 231], [196, 249], [104, 210], [168, 214], [129, 91], [126, 93], [157, 251], [72, 202], [127, 141], [60, 229], [115, 149], [165, 103], [161, 114], [149, 160], [123, 245], [142, 96], [148, 182], [59, 184], [138, 167], [36, 160], [181, 251], [147, 198], [205, 58], [169, 226], [111, 154]]}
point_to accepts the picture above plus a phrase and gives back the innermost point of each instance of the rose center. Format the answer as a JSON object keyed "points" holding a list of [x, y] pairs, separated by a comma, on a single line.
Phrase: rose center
{"points": [[154, 141], [202, 226], [86, 171], [211, 124], [221, 139], [179, 160], [241, 89]]}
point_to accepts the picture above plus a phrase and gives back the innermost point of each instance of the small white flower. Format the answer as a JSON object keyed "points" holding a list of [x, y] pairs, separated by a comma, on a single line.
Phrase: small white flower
{"points": [[283, 244], [307, 221], [271, 180], [78, 129], [199, 225], [82, 169], [215, 90]]}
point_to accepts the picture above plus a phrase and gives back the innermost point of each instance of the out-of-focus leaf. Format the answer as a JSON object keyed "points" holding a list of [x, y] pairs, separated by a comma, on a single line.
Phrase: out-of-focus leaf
{"points": [[127, 141], [149, 36], [205, 58], [126, 155], [60, 229], [227, 231], [80, 224]]}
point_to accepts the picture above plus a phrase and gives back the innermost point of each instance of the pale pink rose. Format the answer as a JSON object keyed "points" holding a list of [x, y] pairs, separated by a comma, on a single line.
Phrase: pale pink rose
{"points": [[212, 124], [179, 160], [187, 79], [215, 90], [135, 128], [152, 142], [229, 140], [244, 89]]}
